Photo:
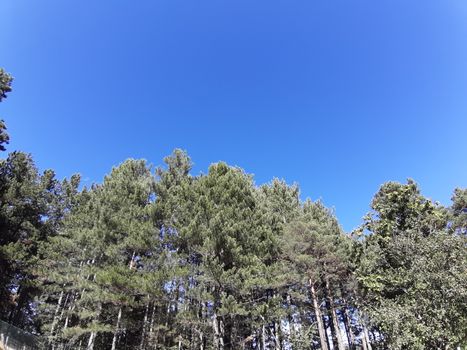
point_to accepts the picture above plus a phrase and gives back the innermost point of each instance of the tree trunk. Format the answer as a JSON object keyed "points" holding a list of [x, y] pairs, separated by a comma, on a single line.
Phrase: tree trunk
{"points": [[319, 319], [217, 329], [151, 325], [277, 335], [131, 266], [263, 337], [335, 321], [14, 306], [366, 337], [348, 329], [222, 333], [200, 315], [92, 337], [167, 317], [366, 344], [70, 309], [114, 340], [145, 321], [55, 319]]}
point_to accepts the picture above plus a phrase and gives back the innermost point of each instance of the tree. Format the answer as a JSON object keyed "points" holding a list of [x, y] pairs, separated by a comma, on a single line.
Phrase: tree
{"points": [[412, 271], [31, 208], [231, 234], [114, 245], [317, 252], [458, 212], [5, 83], [5, 87]]}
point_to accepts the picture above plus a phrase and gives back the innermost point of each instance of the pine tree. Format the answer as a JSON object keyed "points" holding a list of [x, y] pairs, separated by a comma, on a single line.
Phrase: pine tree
{"points": [[317, 252], [31, 209], [113, 240], [5, 87]]}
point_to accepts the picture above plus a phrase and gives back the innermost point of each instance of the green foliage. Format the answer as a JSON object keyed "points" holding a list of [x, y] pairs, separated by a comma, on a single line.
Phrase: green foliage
{"points": [[5, 87], [458, 212], [412, 271], [175, 261], [31, 208], [5, 84]]}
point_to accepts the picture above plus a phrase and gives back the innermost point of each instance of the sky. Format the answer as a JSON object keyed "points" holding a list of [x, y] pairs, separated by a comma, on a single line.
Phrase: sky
{"points": [[338, 96]]}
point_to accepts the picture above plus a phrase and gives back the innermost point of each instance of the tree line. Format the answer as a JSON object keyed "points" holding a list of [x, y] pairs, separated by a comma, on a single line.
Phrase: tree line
{"points": [[162, 259]]}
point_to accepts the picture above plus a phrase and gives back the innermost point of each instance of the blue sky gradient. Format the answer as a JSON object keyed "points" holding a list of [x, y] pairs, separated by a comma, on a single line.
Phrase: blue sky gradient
{"points": [[338, 96]]}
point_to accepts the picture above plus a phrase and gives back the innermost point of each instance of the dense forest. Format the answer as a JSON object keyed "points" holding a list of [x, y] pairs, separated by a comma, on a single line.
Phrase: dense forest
{"points": [[162, 259]]}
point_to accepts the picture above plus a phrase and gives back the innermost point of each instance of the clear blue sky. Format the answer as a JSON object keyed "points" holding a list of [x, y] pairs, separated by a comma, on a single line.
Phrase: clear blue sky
{"points": [[339, 96]]}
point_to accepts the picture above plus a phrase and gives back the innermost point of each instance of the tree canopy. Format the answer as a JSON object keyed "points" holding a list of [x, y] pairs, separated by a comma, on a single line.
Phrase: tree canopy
{"points": [[164, 259]]}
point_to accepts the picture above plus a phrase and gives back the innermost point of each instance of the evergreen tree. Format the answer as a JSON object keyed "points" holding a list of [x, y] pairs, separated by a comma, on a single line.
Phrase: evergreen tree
{"points": [[5, 83], [412, 272], [458, 212], [31, 207], [317, 253], [113, 241], [5, 87], [175, 261]]}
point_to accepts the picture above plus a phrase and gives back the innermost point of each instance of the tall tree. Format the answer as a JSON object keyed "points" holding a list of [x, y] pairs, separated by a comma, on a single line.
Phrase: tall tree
{"points": [[412, 271], [318, 251], [31, 208], [112, 239]]}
